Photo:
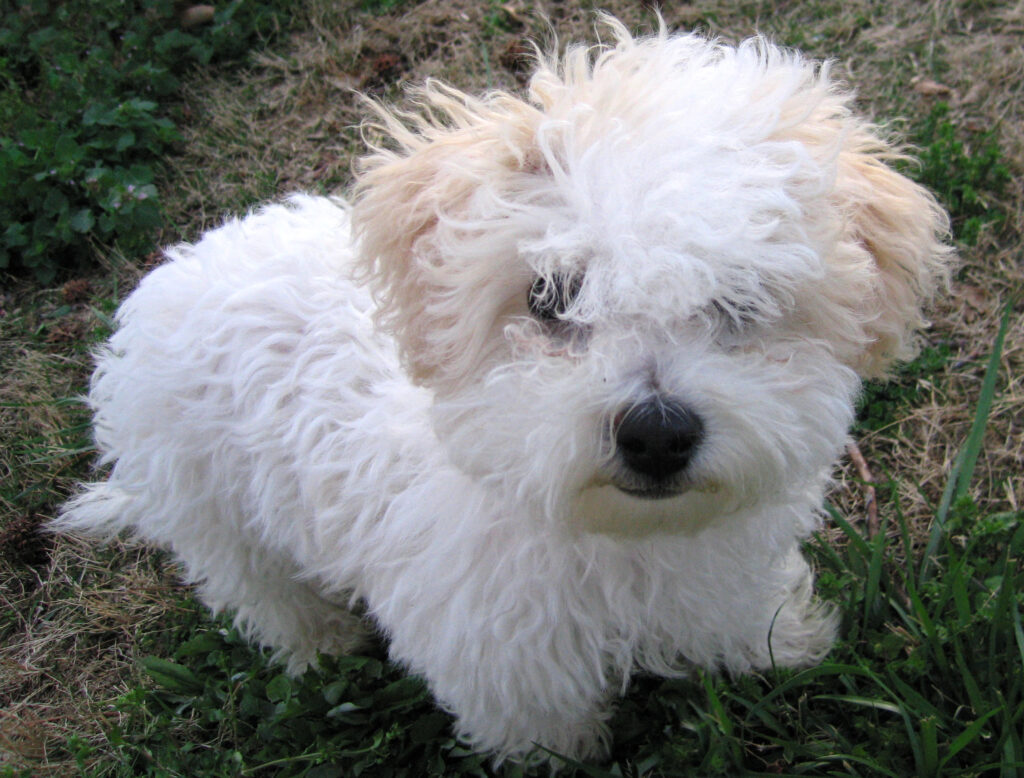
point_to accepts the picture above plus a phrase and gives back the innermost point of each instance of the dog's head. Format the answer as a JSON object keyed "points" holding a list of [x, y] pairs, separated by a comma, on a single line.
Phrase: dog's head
{"points": [[643, 296]]}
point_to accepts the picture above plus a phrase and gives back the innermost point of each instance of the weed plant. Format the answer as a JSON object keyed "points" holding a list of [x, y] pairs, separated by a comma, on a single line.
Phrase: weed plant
{"points": [[87, 109], [967, 177]]}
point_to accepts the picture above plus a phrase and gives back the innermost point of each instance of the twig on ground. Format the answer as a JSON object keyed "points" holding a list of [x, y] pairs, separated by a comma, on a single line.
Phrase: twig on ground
{"points": [[870, 498]]}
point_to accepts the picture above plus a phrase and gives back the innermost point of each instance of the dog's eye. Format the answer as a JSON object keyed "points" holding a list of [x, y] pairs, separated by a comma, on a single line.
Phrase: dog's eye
{"points": [[550, 298]]}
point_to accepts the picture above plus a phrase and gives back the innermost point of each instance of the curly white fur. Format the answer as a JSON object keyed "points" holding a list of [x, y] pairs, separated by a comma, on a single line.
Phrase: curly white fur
{"points": [[320, 404]]}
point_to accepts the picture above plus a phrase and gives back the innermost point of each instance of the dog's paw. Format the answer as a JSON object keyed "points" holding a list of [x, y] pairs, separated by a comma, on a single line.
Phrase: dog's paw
{"points": [[801, 634]]}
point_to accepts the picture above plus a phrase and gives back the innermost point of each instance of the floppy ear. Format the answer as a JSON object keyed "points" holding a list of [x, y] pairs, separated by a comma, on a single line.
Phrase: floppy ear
{"points": [[903, 228], [411, 216], [885, 223]]}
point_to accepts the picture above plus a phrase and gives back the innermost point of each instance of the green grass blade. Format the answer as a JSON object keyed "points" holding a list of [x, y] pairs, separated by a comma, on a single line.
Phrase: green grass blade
{"points": [[1018, 633], [1013, 755], [964, 738], [864, 702], [854, 759], [929, 746], [958, 581], [873, 583], [718, 713], [932, 637], [593, 772], [970, 683], [916, 700], [804, 677], [1004, 607], [107, 321], [762, 715], [857, 541], [824, 549], [975, 438], [963, 468]]}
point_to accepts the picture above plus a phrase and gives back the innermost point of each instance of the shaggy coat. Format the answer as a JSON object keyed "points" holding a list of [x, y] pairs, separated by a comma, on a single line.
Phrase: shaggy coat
{"points": [[419, 402]]}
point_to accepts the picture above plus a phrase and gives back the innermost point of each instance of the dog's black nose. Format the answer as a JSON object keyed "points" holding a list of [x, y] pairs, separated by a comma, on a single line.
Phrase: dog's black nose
{"points": [[657, 437]]}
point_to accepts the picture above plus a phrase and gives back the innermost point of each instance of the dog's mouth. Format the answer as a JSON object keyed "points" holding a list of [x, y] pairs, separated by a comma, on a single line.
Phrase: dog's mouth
{"points": [[653, 492], [619, 508], [652, 487]]}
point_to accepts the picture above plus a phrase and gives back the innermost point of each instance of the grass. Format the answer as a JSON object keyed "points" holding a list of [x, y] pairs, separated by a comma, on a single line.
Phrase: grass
{"points": [[109, 668], [87, 111]]}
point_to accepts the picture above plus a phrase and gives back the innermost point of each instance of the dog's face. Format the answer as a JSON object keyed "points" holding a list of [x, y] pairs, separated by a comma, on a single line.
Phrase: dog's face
{"points": [[644, 297]]}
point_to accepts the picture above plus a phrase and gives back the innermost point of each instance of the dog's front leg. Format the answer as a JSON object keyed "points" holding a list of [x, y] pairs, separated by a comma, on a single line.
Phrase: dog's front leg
{"points": [[498, 622], [509, 692]]}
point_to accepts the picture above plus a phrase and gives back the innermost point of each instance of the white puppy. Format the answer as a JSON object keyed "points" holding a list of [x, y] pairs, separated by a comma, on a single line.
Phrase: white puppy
{"points": [[555, 399]]}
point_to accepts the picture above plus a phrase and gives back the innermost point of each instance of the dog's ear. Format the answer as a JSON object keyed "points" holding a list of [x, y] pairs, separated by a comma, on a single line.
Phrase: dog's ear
{"points": [[884, 221], [903, 228], [416, 198]]}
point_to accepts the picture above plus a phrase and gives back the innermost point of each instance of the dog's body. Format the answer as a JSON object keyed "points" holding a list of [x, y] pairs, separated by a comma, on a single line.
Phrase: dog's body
{"points": [[555, 400]]}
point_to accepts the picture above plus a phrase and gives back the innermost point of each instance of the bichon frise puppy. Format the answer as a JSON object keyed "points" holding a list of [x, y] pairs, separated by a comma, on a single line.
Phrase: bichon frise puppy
{"points": [[555, 399]]}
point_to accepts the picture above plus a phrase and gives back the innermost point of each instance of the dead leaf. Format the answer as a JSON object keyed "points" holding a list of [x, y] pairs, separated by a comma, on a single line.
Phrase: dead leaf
{"points": [[195, 15], [687, 15], [976, 297], [514, 13], [929, 88], [76, 290], [974, 94]]}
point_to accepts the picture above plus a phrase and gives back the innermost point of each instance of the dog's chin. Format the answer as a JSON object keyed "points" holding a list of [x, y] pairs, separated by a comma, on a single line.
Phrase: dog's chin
{"points": [[630, 511]]}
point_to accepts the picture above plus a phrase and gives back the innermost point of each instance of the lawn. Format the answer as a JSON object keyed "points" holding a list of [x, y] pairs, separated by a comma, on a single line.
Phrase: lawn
{"points": [[126, 125]]}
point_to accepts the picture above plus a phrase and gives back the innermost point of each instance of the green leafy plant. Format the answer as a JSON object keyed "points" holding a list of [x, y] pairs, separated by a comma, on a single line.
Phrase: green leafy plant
{"points": [[86, 114], [881, 400], [496, 20], [343, 718], [967, 176]]}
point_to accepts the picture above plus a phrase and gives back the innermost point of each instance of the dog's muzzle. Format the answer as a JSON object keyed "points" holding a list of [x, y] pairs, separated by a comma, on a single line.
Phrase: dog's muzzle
{"points": [[655, 440]]}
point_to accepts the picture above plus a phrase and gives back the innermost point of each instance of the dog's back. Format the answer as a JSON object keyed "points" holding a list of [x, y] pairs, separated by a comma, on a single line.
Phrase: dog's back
{"points": [[257, 333]]}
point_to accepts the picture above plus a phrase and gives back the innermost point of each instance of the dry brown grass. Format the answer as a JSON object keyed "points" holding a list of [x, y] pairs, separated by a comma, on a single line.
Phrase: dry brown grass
{"points": [[70, 614], [79, 619], [74, 616]]}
